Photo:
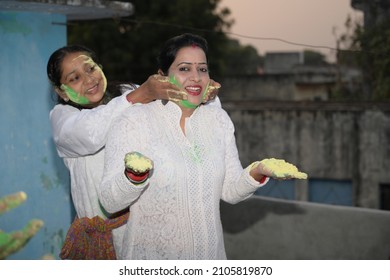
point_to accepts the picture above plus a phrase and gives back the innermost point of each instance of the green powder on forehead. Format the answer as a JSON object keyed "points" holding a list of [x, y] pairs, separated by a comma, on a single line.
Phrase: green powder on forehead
{"points": [[74, 96]]}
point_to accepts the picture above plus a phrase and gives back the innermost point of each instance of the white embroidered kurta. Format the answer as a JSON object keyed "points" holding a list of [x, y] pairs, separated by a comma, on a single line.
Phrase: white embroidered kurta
{"points": [[174, 214], [80, 136]]}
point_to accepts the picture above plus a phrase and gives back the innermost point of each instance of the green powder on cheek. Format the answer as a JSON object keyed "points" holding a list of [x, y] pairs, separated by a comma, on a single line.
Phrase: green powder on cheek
{"points": [[173, 81], [186, 103], [74, 96]]}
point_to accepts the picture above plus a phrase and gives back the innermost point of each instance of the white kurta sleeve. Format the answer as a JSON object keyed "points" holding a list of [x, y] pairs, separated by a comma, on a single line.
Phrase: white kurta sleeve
{"points": [[83, 132], [238, 184], [116, 192]]}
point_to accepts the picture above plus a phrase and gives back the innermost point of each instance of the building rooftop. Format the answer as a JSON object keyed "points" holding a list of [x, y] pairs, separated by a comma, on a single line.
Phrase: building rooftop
{"points": [[73, 9]]}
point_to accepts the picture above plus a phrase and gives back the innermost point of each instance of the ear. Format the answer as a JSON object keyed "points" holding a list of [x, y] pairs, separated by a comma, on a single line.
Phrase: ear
{"points": [[160, 72], [61, 94]]}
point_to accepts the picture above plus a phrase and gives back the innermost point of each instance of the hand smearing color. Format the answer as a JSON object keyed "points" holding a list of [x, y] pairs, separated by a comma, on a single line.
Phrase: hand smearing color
{"points": [[175, 93]]}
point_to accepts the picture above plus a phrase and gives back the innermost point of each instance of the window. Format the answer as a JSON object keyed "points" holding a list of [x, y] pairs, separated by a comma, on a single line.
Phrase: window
{"points": [[336, 192], [278, 189], [384, 199]]}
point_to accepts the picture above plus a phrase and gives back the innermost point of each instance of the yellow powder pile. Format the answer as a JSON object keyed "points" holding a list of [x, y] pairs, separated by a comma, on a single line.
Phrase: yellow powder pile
{"points": [[282, 169], [137, 162]]}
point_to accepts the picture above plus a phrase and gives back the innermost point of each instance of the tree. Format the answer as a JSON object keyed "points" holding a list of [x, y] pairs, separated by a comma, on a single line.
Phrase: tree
{"points": [[128, 47], [242, 60], [314, 58], [369, 49], [375, 59]]}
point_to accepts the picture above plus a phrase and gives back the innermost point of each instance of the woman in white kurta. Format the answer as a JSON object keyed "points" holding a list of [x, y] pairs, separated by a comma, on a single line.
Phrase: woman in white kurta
{"points": [[80, 136], [175, 213]]}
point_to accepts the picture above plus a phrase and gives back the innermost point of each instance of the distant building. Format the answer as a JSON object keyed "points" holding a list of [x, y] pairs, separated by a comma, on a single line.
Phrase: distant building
{"points": [[291, 112], [287, 77], [282, 62]]}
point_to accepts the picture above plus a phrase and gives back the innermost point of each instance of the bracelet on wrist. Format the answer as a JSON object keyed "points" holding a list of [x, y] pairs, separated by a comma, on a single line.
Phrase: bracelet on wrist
{"points": [[262, 180], [136, 178]]}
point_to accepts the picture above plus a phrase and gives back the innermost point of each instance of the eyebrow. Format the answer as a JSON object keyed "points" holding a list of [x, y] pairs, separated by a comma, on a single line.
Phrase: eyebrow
{"points": [[69, 74], [85, 60], [190, 63]]}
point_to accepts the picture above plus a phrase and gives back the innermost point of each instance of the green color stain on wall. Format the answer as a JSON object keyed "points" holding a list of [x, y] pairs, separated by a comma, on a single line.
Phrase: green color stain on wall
{"points": [[44, 160], [46, 182], [9, 24], [54, 241]]}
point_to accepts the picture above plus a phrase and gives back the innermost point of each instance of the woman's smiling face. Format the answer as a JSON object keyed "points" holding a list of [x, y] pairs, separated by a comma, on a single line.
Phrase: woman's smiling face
{"points": [[82, 80], [191, 71]]}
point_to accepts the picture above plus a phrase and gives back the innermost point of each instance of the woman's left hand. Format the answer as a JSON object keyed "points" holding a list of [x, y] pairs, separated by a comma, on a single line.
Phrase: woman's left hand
{"points": [[277, 169], [212, 90]]}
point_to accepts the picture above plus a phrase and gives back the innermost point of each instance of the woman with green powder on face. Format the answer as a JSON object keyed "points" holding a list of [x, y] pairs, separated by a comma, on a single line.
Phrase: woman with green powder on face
{"points": [[194, 164], [80, 122]]}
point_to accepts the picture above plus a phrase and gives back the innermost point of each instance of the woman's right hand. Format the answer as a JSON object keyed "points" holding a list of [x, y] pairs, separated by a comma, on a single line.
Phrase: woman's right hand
{"points": [[156, 87], [137, 167]]}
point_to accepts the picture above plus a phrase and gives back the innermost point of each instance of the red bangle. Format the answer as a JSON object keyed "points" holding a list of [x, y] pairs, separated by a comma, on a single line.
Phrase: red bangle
{"points": [[136, 178], [262, 180]]}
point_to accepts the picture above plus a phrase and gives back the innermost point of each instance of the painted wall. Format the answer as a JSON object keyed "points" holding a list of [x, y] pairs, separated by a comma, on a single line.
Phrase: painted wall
{"points": [[343, 147], [29, 161]]}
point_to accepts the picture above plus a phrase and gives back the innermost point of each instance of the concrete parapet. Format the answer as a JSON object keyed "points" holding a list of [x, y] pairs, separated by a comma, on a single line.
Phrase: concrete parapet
{"points": [[273, 229]]}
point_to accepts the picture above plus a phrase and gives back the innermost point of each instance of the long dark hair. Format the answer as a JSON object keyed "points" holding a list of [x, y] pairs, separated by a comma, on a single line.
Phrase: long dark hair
{"points": [[169, 50], [54, 73]]}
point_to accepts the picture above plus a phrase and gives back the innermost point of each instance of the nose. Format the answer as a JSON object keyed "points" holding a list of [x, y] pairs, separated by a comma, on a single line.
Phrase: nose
{"points": [[88, 78], [196, 77]]}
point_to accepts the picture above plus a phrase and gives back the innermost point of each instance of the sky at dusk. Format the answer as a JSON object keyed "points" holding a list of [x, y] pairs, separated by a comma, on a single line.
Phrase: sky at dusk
{"points": [[308, 22]]}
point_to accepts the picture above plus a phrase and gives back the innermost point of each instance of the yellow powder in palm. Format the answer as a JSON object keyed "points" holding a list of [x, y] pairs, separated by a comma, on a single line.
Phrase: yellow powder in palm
{"points": [[281, 169], [137, 162]]}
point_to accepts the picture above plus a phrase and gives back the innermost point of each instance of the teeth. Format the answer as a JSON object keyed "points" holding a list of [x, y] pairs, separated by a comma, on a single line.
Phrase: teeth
{"points": [[92, 88], [193, 88]]}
